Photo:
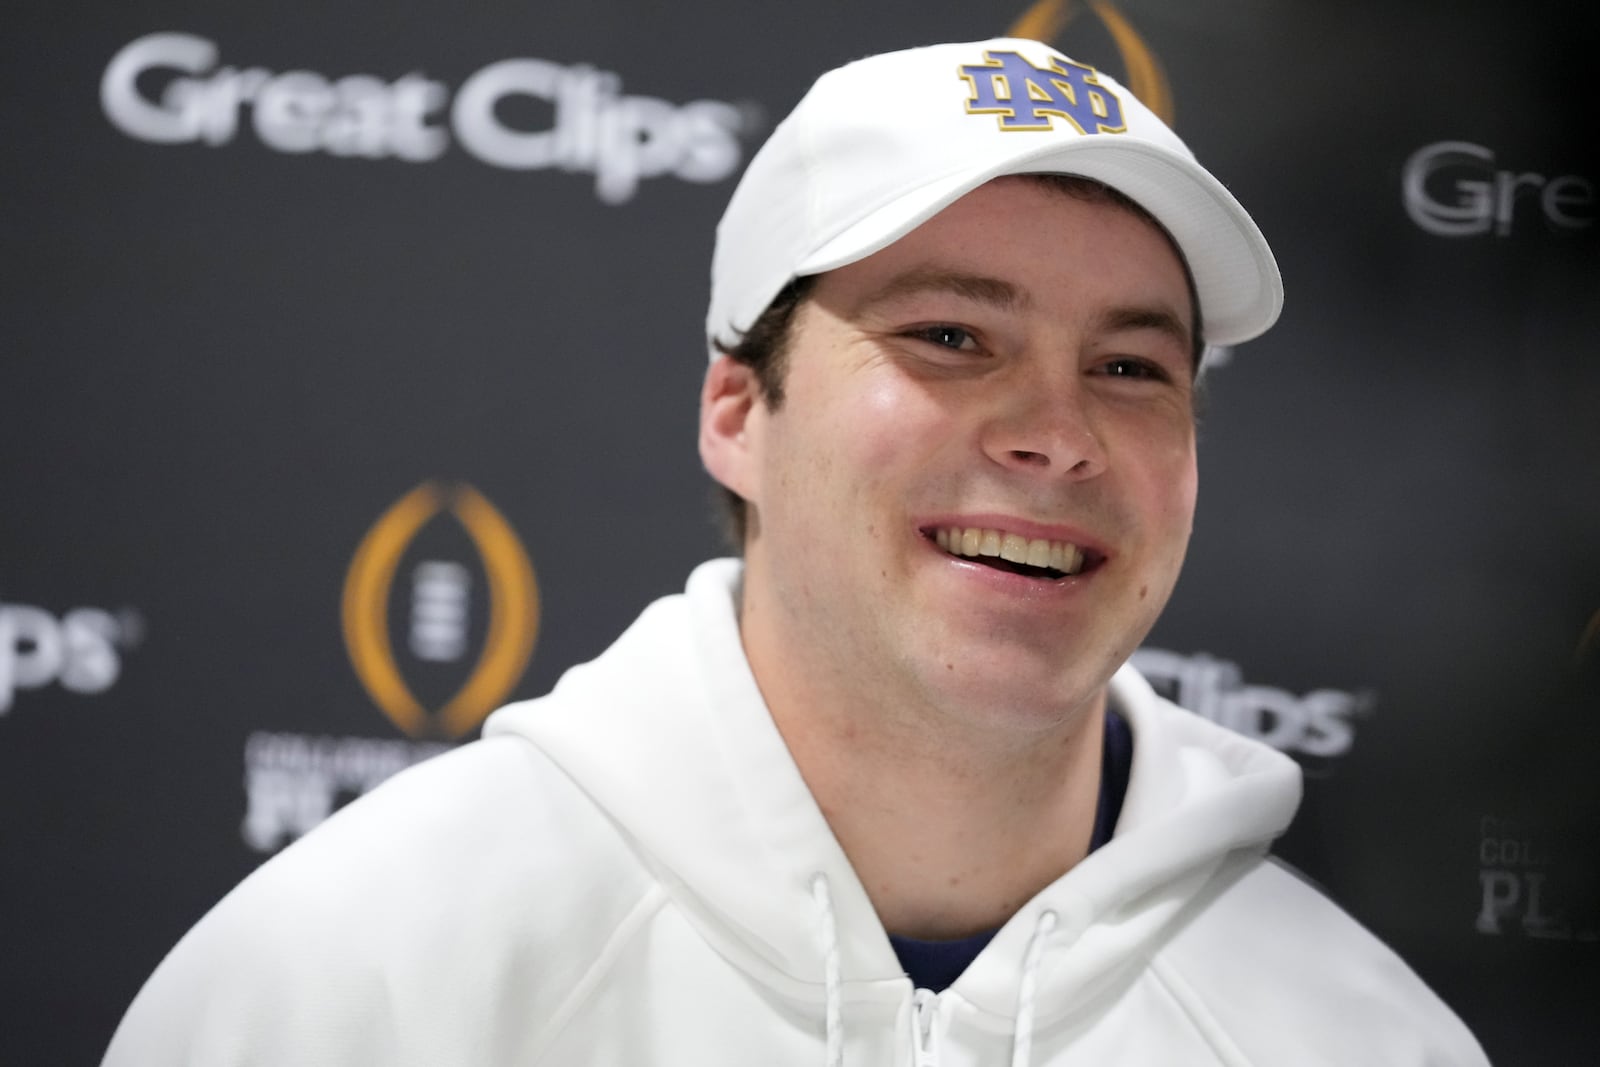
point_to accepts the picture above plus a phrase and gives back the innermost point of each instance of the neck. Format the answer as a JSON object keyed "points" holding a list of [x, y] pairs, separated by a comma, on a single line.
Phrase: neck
{"points": [[951, 821]]}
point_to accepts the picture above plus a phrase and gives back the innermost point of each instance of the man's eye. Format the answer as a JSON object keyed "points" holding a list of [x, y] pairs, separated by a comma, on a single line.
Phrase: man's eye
{"points": [[945, 336], [1134, 368]]}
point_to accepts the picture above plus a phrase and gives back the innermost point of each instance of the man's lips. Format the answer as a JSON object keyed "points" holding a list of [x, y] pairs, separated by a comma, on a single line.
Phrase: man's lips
{"points": [[1020, 551]]}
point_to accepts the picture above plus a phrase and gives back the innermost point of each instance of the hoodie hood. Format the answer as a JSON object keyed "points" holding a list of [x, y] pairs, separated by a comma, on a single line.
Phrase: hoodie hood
{"points": [[668, 734]]}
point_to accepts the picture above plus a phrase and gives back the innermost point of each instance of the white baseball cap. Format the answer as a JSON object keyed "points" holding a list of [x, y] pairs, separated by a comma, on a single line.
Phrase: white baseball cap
{"points": [[881, 145]]}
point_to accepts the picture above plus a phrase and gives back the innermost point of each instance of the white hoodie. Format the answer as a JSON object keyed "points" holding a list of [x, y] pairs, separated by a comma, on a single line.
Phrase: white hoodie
{"points": [[631, 871]]}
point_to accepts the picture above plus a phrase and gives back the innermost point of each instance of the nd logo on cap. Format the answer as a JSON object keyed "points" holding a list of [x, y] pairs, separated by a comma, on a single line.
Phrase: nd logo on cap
{"points": [[439, 631], [1027, 97]]}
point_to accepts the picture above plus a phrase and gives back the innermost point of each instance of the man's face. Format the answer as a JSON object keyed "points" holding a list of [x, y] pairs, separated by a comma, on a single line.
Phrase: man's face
{"points": [[1018, 369]]}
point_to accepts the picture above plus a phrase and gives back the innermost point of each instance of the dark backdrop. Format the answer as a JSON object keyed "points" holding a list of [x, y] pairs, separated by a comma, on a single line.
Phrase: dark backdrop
{"points": [[325, 399]]}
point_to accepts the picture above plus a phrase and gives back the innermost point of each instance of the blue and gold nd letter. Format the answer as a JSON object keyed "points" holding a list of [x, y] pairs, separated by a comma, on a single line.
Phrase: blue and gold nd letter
{"points": [[1026, 97]]}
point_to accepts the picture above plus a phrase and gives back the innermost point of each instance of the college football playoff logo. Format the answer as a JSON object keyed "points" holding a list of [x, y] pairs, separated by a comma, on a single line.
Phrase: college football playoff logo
{"points": [[1047, 21], [438, 622]]}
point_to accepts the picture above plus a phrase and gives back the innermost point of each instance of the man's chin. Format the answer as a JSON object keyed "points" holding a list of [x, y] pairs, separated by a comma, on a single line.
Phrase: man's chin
{"points": [[1011, 693]]}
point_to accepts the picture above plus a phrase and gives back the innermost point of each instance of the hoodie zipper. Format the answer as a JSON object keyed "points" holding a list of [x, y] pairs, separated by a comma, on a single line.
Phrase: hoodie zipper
{"points": [[924, 1010]]}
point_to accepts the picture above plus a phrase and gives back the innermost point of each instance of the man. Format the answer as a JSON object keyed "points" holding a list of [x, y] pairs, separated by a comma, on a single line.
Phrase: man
{"points": [[885, 793]]}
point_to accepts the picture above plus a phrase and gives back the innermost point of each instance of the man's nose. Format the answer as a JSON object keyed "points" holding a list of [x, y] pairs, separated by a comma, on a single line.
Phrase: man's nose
{"points": [[1046, 428]]}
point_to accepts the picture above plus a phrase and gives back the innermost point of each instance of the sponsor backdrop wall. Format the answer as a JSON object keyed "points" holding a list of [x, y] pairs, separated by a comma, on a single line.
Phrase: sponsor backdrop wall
{"points": [[350, 364]]}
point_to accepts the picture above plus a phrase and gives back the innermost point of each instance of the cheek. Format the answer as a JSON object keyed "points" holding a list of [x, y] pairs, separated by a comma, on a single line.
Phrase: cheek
{"points": [[874, 428], [882, 422], [1172, 485], [875, 448], [1188, 485]]}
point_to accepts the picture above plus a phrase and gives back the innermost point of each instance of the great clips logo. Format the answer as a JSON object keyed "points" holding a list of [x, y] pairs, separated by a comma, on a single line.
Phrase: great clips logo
{"points": [[81, 651], [1318, 726], [520, 114], [443, 571], [1459, 189]]}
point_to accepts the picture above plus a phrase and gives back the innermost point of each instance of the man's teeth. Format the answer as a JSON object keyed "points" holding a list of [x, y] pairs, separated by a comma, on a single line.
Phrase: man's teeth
{"points": [[972, 541]]}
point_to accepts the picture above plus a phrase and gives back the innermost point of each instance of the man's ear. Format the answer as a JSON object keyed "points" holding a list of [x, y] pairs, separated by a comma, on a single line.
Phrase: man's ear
{"points": [[731, 411]]}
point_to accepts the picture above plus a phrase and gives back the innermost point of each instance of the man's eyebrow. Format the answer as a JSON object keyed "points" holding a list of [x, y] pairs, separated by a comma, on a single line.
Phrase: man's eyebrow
{"points": [[976, 287], [1147, 318]]}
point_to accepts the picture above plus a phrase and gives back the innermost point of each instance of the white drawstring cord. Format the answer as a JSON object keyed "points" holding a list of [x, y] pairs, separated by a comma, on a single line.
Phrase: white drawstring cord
{"points": [[1022, 1041], [829, 933]]}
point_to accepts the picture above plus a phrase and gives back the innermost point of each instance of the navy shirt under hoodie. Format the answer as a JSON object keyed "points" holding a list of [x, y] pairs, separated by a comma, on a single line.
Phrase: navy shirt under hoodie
{"points": [[933, 965]]}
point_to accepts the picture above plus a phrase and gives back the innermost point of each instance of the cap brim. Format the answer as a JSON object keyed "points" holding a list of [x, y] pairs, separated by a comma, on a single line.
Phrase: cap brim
{"points": [[1235, 275]]}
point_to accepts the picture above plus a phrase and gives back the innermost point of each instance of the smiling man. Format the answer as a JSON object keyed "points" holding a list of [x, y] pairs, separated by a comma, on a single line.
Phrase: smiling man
{"points": [[884, 791], [965, 513]]}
